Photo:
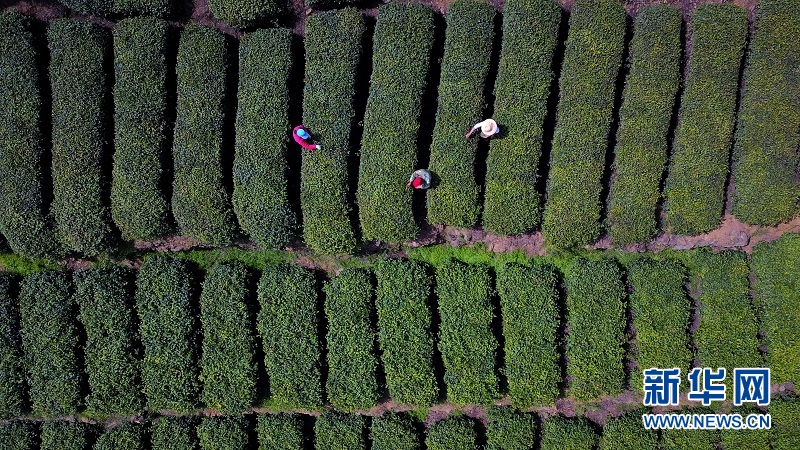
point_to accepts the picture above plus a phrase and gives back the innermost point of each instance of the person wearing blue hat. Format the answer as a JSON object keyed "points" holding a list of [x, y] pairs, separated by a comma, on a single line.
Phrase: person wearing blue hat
{"points": [[302, 136]]}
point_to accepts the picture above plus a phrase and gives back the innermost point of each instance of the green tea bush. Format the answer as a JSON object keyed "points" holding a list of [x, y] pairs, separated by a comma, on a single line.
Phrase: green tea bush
{"points": [[262, 127], [280, 432], [333, 44], [79, 51], [334, 431], [785, 434], [530, 32], [528, 297], [660, 310], [325, 4], [510, 430], [157, 8], [394, 431], [627, 433], [246, 13], [199, 201], [561, 433], [105, 297], [18, 435], [465, 335], [401, 59], [12, 370], [127, 436], [765, 157], [452, 433], [695, 189], [90, 7], [63, 435], [465, 66], [776, 268], [592, 60], [641, 152], [228, 369], [596, 328], [727, 335], [352, 365], [404, 324], [173, 433], [166, 303], [22, 220], [138, 206], [691, 439], [288, 325], [222, 433], [50, 342], [745, 439]]}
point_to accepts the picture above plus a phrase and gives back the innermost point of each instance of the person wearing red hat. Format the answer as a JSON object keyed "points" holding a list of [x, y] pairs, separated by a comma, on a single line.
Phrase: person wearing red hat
{"points": [[301, 136], [420, 179]]}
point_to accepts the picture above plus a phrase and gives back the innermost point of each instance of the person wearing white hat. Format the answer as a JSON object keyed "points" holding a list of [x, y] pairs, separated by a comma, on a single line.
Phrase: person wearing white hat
{"points": [[488, 128]]}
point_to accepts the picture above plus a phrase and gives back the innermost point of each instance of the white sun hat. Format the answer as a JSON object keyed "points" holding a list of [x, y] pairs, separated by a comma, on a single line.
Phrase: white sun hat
{"points": [[488, 127]]}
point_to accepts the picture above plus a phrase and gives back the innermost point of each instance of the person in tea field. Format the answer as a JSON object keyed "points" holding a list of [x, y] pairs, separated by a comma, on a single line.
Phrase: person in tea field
{"points": [[488, 128], [302, 137], [420, 179]]}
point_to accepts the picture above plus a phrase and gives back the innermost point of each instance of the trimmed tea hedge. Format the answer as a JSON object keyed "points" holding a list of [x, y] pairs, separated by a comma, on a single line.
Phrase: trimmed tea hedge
{"points": [[660, 309], [641, 153], [105, 297], [776, 268], [280, 432], [765, 157], [288, 325], [246, 13], [63, 435], [222, 433], [404, 323], [157, 8], [127, 436], [452, 433], [530, 32], [22, 219], [691, 439], [334, 431], [79, 51], [592, 61], [628, 433], [90, 7], [50, 342], [596, 328], [228, 369], [695, 189], [394, 431], [745, 439], [138, 206], [465, 335], [528, 297], [166, 303], [465, 66], [727, 335], [173, 433], [572, 434], [333, 43], [12, 370], [510, 430], [391, 121], [785, 423], [18, 435], [259, 170], [199, 201], [352, 382]]}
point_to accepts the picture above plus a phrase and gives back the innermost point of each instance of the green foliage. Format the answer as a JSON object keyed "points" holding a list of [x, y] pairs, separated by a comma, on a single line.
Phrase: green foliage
{"points": [[776, 268], [695, 189], [394, 431], [333, 44], [22, 219], [660, 310], [12, 370], [530, 31], [510, 430], [262, 127], [90, 7], [20, 265], [222, 433], [785, 423], [560, 433], [63, 435], [50, 342], [391, 121], [465, 335], [352, 382], [528, 297], [246, 13], [691, 439], [288, 325], [327, 4], [104, 295], [199, 201], [138, 206], [627, 433], [79, 51], [452, 433], [166, 303], [127, 436], [592, 60], [228, 366], [404, 322], [745, 439], [334, 431], [157, 8], [173, 433], [596, 328], [765, 157], [641, 153], [280, 432], [465, 66], [18, 435]]}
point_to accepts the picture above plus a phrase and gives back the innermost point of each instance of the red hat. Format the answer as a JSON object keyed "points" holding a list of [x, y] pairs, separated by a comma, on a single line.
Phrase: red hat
{"points": [[417, 182]]}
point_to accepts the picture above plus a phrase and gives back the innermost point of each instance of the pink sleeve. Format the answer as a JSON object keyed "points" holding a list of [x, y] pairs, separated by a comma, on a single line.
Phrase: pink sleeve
{"points": [[301, 141]]}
